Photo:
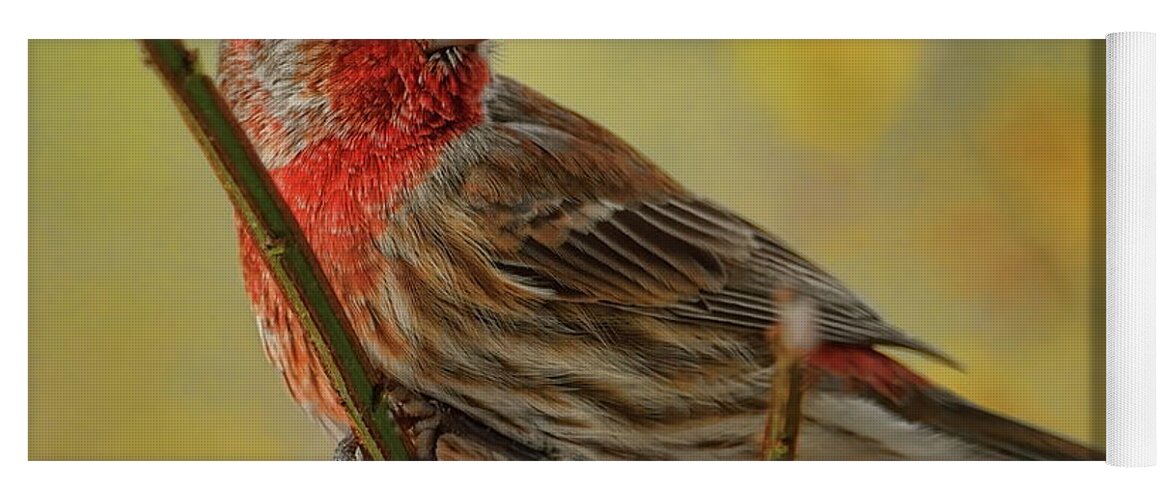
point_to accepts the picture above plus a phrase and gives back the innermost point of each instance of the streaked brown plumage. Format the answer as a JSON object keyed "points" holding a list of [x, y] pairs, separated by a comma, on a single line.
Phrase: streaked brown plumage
{"points": [[522, 270]]}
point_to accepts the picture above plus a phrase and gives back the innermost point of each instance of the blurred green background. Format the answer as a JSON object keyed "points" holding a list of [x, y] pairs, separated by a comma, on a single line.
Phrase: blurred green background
{"points": [[957, 185]]}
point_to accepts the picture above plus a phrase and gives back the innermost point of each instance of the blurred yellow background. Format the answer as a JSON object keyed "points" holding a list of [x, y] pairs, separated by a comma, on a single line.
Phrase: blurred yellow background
{"points": [[957, 185]]}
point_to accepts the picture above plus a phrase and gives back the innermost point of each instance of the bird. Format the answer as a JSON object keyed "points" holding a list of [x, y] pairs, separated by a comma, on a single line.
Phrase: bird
{"points": [[536, 288]]}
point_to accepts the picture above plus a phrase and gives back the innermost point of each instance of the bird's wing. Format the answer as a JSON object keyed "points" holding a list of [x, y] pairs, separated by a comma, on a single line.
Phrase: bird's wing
{"points": [[630, 238], [678, 259]]}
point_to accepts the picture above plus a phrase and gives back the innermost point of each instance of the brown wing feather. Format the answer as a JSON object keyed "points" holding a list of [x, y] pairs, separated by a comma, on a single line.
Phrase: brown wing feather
{"points": [[647, 245], [684, 260]]}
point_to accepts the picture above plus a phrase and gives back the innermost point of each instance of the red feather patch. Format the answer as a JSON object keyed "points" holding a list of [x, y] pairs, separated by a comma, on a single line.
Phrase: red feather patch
{"points": [[863, 368]]}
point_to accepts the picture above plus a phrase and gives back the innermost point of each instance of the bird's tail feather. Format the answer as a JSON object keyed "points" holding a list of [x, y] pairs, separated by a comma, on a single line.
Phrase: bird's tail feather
{"points": [[1005, 435], [861, 371]]}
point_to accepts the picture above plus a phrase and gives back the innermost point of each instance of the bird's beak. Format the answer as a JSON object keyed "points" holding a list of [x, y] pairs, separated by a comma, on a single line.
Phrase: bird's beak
{"points": [[432, 46]]}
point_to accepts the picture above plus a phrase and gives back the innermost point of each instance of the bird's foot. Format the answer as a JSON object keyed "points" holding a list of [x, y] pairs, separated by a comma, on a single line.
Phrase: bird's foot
{"points": [[422, 419], [347, 449]]}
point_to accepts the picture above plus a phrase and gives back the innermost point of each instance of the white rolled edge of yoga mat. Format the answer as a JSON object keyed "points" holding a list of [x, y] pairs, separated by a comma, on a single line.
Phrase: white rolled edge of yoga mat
{"points": [[1130, 249]]}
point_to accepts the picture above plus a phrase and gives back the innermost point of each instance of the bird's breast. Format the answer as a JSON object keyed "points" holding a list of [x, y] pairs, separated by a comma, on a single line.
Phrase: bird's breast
{"points": [[342, 194]]}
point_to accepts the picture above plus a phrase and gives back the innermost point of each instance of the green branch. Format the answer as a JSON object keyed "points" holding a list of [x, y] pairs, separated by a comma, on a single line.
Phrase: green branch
{"points": [[276, 233]]}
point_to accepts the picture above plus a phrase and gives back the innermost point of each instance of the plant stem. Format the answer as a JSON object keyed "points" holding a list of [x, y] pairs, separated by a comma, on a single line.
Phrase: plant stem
{"points": [[783, 423], [285, 250]]}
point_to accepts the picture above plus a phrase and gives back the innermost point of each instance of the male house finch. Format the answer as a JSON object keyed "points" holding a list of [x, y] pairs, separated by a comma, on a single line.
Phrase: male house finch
{"points": [[509, 260]]}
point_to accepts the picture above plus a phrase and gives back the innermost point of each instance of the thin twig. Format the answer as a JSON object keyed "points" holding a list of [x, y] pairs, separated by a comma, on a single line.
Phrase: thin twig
{"points": [[783, 423], [285, 250]]}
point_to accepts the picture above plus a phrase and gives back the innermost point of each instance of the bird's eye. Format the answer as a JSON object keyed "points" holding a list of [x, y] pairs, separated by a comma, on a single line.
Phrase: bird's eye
{"points": [[450, 52]]}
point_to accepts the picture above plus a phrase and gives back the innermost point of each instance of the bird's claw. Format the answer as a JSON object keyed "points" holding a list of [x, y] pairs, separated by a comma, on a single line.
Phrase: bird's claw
{"points": [[347, 449], [422, 417]]}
